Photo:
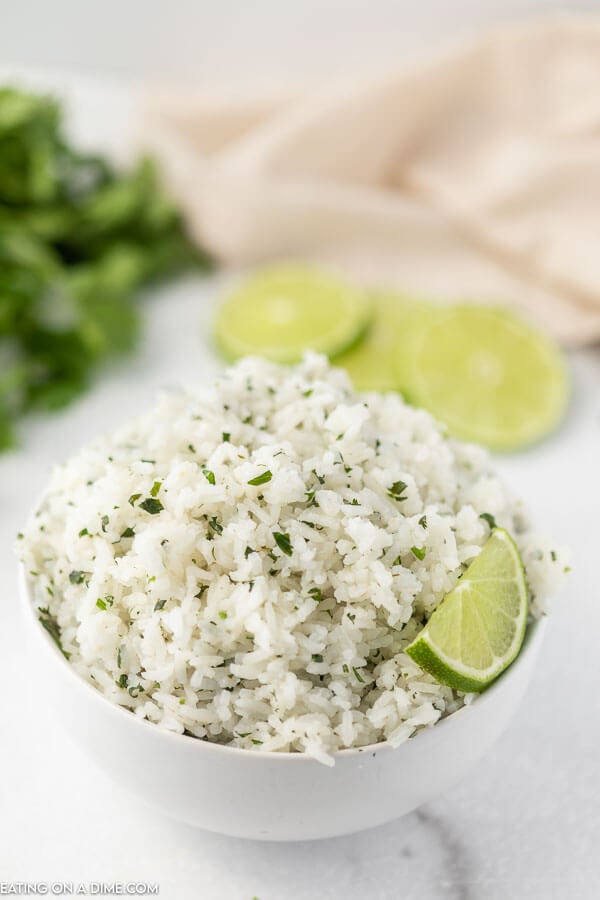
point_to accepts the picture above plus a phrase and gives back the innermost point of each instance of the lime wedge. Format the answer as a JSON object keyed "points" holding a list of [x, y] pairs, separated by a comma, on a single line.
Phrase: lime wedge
{"points": [[378, 362], [281, 312], [488, 376], [478, 628]]}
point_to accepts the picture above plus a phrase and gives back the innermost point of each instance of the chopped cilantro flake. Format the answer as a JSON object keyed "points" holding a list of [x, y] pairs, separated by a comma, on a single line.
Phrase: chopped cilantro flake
{"points": [[215, 526], [488, 517], [48, 621], [151, 505], [283, 542], [77, 577], [263, 478], [396, 492]]}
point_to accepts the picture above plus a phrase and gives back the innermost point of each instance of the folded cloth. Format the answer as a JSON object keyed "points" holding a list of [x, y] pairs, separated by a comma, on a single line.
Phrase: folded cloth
{"points": [[474, 175]]}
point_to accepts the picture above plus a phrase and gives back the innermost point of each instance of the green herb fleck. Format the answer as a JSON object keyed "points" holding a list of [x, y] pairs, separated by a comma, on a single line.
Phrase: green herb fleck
{"points": [[105, 520], [283, 542], [222, 614], [215, 526], [155, 488], [553, 555], [226, 437], [358, 675], [133, 498], [210, 476], [100, 603], [316, 594], [317, 657], [396, 492], [261, 479], [48, 621], [248, 551], [151, 505], [419, 552], [423, 521], [135, 690], [83, 532], [123, 680], [160, 604], [488, 517], [77, 577]]}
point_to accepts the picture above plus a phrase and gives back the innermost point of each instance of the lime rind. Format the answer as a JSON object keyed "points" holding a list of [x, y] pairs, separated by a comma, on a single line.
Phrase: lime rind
{"points": [[439, 646]]}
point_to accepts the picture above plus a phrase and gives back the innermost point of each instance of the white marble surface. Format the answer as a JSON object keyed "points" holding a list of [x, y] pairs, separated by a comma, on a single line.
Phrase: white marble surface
{"points": [[525, 824]]}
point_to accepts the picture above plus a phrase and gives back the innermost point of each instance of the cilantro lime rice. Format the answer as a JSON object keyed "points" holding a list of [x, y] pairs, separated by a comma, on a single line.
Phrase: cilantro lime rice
{"points": [[247, 562]]}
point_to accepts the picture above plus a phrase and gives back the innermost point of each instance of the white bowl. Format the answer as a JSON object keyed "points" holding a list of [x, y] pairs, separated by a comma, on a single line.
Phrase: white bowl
{"points": [[275, 796]]}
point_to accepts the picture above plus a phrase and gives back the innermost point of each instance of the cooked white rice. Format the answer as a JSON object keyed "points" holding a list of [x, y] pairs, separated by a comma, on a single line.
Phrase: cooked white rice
{"points": [[273, 615]]}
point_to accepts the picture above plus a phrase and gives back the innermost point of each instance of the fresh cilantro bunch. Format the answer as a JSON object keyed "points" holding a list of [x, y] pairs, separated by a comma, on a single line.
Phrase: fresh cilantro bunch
{"points": [[77, 239]]}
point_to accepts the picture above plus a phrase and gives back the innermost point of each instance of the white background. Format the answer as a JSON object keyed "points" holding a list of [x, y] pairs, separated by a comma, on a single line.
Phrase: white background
{"points": [[526, 824], [231, 40]]}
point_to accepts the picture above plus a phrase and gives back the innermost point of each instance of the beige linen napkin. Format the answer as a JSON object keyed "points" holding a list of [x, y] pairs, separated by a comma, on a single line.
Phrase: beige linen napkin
{"points": [[472, 175]]}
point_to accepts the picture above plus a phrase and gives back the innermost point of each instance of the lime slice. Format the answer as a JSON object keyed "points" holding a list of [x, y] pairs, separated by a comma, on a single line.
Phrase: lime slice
{"points": [[281, 312], [478, 628], [378, 362], [490, 377]]}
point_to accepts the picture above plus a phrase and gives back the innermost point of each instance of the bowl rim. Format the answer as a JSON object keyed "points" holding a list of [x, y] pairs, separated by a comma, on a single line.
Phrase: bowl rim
{"points": [[534, 634]]}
